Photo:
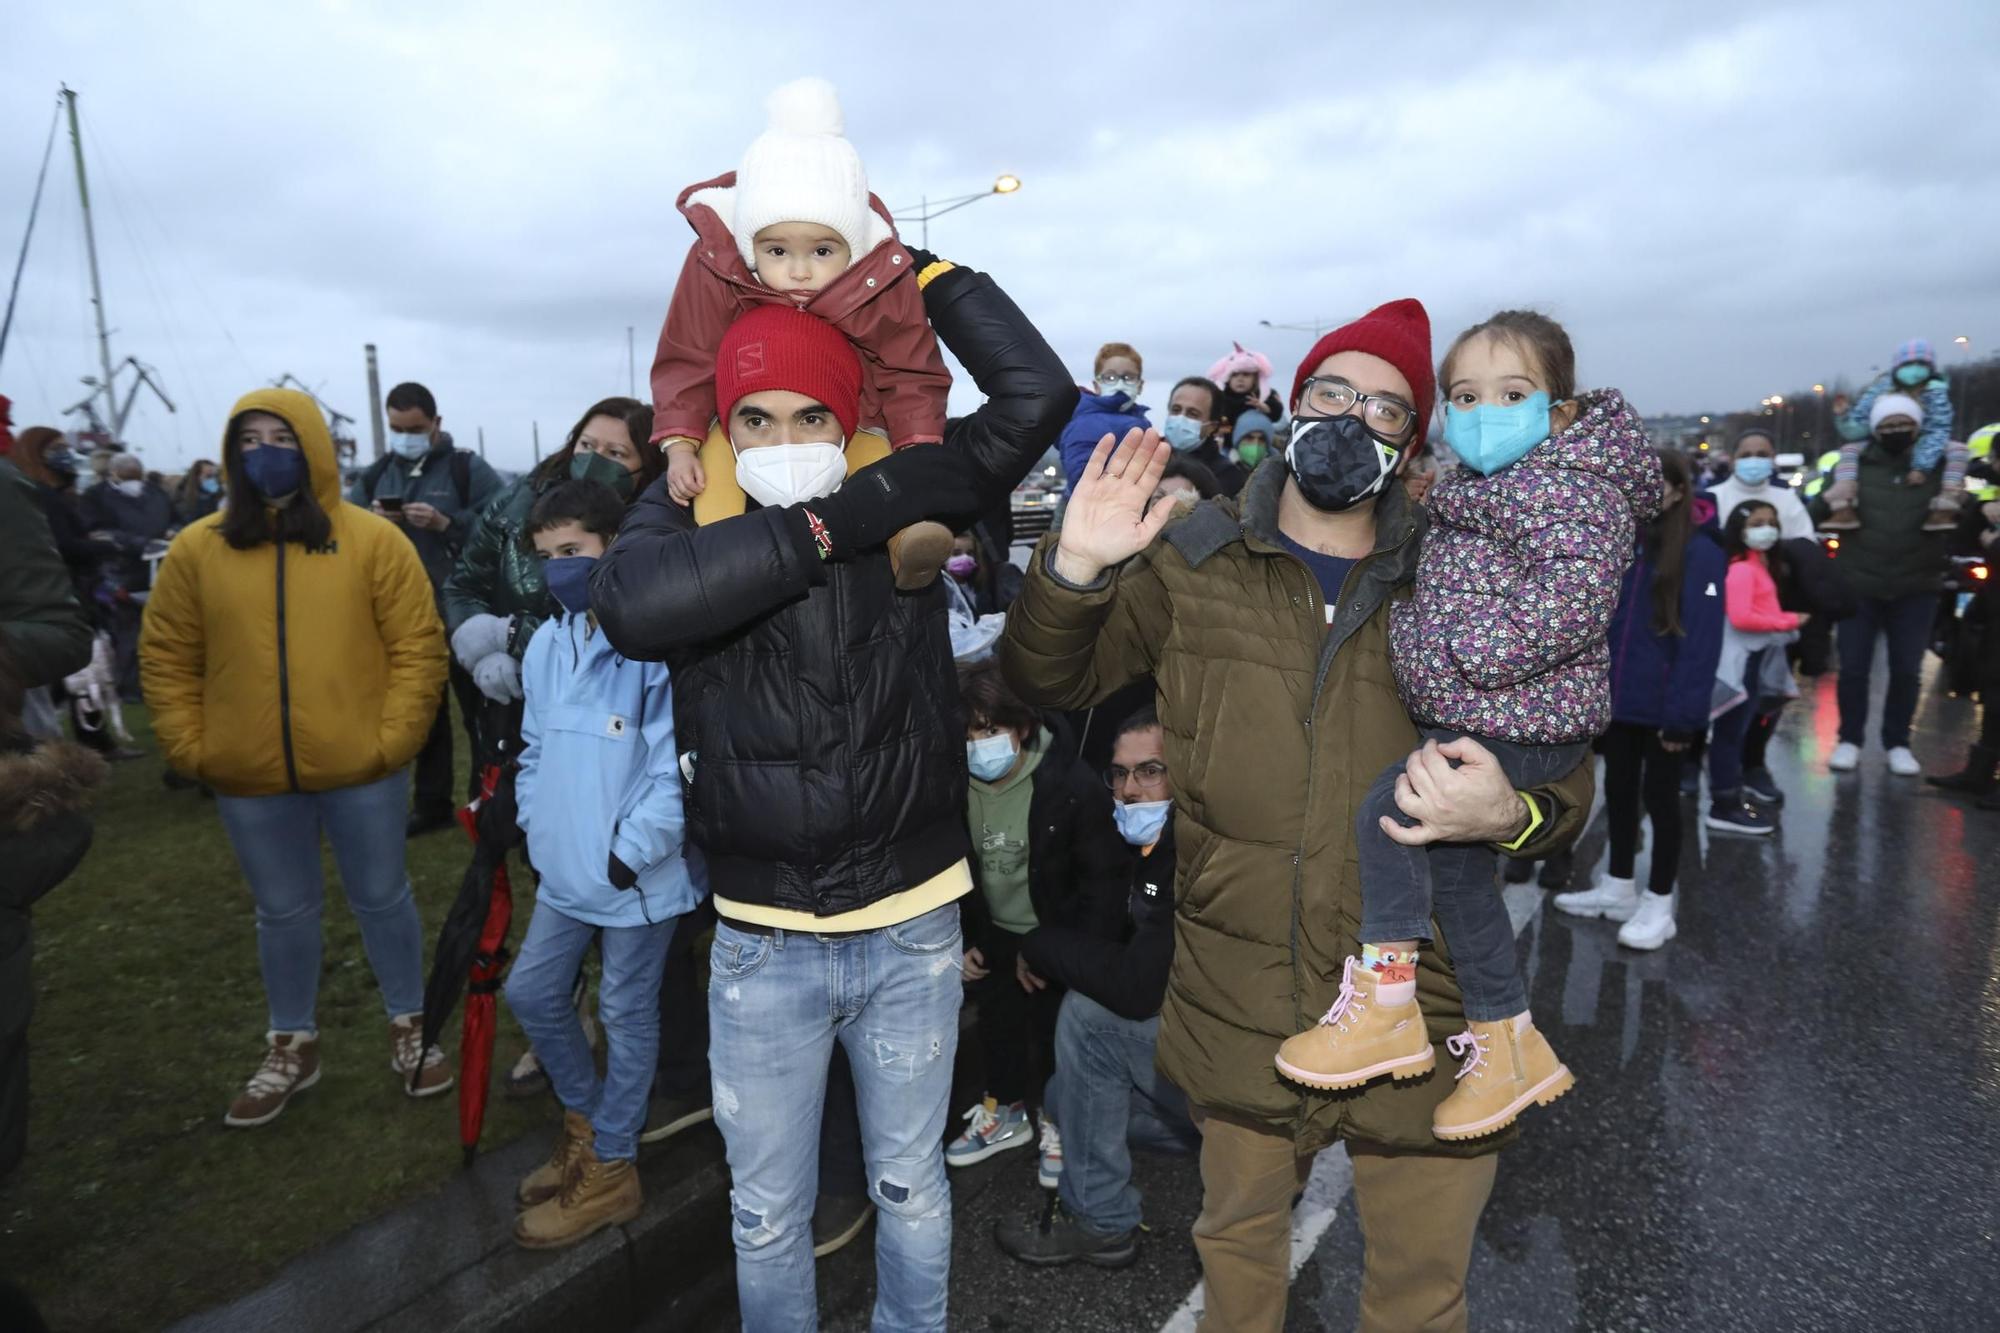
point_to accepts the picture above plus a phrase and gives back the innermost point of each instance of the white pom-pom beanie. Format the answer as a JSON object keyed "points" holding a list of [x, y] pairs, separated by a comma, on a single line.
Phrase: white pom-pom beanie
{"points": [[1895, 405], [801, 169]]}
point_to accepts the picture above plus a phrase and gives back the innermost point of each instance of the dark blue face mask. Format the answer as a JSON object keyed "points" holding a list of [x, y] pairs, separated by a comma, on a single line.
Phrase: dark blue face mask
{"points": [[568, 577], [274, 473]]}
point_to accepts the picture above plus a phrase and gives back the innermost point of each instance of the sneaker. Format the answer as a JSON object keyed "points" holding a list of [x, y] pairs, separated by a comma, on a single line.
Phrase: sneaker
{"points": [[1841, 520], [408, 1055], [1846, 758], [1358, 1040], [595, 1194], [1980, 775], [1613, 899], [837, 1220], [1760, 787], [1904, 764], [1733, 814], [1048, 1171], [291, 1065], [667, 1116], [1505, 1071], [990, 1128], [918, 553], [525, 1079], [1691, 777], [1556, 871], [1652, 925], [1056, 1239], [546, 1180]]}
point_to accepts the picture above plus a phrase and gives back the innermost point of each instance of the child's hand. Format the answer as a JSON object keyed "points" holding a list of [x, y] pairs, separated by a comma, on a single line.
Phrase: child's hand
{"points": [[685, 478]]}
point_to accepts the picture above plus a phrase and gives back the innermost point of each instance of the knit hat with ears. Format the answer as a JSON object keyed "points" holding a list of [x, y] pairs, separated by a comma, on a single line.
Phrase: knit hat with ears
{"points": [[1895, 405], [1399, 333], [780, 347], [1239, 361], [802, 170]]}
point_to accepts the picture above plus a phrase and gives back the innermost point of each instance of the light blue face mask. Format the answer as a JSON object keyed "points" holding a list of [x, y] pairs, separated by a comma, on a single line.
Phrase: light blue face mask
{"points": [[1183, 433], [990, 757], [411, 447], [1753, 471], [1141, 822], [1489, 436], [1912, 375]]}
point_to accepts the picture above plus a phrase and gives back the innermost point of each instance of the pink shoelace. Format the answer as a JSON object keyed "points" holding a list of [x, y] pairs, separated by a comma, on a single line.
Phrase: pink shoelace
{"points": [[1467, 1047], [1346, 1005]]}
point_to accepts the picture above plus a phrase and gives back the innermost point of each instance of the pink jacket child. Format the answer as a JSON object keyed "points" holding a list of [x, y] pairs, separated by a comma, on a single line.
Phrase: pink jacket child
{"points": [[1505, 635], [800, 170]]}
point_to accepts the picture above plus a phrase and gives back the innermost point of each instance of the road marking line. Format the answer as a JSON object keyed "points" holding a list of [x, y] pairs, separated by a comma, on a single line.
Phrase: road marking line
{"points": [[1332, 1173]]}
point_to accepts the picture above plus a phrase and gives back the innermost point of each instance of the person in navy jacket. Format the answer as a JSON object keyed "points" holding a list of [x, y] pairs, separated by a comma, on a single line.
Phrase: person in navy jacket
{"points": [[1666, 638]]}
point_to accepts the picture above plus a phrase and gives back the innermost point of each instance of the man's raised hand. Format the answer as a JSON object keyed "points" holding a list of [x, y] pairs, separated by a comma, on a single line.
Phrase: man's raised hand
{"points": [[1106, 520]]}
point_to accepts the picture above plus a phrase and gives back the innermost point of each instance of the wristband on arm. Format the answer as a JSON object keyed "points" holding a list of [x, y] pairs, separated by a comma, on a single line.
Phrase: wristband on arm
{"points": [[1535, 821]]}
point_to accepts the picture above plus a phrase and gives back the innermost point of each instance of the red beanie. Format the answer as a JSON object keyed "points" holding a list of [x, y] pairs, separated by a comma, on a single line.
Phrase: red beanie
{"points": [[777, 347], [1399, 333]]}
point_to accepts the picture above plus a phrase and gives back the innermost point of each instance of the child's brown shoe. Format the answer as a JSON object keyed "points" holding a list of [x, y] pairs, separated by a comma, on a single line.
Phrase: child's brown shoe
{"points": [[1504, 1072], [1359, 1039], [918, 553]]}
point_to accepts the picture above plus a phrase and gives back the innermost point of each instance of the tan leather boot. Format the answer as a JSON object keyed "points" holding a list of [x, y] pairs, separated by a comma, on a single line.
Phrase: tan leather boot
{"points": [[1504, 1071], [545, 1181], [1359, 1040], [918, 553], [594, 1195]]}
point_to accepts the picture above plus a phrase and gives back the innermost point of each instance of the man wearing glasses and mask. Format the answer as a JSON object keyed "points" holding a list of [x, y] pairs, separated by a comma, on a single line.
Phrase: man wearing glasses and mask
{"points": [[1265, 622]]}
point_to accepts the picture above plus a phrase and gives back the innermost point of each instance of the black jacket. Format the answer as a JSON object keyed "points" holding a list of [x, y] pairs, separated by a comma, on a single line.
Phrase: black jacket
{"points": [[132, 522], [1130, 977], [1078, 866], [817, 706], [1813, 582], [1229, 476]]}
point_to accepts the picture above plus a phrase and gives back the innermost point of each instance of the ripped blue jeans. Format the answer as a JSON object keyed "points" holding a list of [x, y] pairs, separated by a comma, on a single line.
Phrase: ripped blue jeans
{"points": [[777, 1002]]}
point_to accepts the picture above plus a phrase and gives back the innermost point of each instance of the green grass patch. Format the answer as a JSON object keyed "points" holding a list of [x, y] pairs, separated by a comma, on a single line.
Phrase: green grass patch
{"points": [[135, 1205]]}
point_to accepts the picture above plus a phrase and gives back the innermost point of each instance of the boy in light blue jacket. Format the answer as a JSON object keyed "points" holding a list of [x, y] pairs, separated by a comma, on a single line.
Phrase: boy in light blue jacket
{"points": [[599, 795]]}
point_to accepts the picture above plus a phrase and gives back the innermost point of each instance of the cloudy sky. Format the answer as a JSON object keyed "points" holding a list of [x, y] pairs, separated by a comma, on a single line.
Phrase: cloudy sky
{"points": [[1720, 201]]}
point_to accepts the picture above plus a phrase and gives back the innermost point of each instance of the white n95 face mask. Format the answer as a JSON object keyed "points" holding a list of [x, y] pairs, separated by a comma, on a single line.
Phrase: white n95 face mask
{"points": [[788, 474]]}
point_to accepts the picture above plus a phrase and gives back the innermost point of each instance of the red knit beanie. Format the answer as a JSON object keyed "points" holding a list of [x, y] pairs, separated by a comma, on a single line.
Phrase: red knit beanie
{"points": [[1399, 333], [777, 347]]}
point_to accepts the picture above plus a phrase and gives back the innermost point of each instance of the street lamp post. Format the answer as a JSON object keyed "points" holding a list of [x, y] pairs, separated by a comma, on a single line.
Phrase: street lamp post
{"points": [[1006, 183], [1964, 344], [1317, 326]]}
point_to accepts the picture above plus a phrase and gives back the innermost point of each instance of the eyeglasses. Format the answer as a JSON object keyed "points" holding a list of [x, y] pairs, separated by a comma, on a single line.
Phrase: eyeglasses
{"points": [[1335, 398], [1149, 774], [1127, 384]]}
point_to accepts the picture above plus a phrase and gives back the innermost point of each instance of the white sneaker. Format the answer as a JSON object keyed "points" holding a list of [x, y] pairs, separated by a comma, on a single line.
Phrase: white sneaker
{"points": [[1904, 764], [1845, 759], [1048, 1171], [1653, 925], [1614, 899]]}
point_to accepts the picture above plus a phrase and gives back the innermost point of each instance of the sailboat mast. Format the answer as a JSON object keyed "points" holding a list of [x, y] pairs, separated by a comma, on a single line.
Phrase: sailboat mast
{"points": [[110, 417]]}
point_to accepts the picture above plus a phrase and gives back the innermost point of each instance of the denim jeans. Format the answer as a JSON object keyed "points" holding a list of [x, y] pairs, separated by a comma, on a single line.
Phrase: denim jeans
{"points": [[277, 844], [777, 1004], [1107, 1097], [628, 1005], [1729, 731], [1906, 623], [1402, 887]]}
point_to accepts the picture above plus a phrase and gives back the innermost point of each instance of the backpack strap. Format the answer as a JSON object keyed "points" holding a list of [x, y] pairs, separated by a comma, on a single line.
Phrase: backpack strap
{"points": [[373, 476]]}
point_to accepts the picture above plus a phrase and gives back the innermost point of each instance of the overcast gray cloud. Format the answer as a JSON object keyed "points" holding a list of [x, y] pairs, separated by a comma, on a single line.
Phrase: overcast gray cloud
{"points": [[1719, 201]]}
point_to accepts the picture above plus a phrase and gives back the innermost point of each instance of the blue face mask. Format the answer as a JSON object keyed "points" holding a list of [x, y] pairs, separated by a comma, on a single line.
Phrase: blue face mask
{"points": [[1912, 375], [1140, 822], [568, 577], [411, 447], [1183, 433], [209, 485], [274, 473], [1753, 471], [1488, 437], [990, 757]]}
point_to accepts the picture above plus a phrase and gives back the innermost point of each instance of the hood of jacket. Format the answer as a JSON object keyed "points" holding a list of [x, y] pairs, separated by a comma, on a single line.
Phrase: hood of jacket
{"points": [[1606, 440], [37, 785], [706, 206], [308, 426]]}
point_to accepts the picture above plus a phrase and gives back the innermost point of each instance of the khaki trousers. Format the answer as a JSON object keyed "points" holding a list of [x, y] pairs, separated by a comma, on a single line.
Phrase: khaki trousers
{"points": [[1417, 1212]]}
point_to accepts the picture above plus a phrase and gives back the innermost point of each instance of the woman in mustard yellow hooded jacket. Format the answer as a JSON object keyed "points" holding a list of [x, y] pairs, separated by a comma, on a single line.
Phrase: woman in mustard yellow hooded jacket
{"points": [[293, 660]]}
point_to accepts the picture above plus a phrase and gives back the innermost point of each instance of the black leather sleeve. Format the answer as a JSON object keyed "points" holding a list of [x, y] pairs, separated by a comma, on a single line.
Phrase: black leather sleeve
{"points": [[667, 584]]}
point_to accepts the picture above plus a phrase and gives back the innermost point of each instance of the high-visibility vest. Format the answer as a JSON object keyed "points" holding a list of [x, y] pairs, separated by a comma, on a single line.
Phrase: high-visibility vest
{"points": [[1980, 445], [1825, 465]]}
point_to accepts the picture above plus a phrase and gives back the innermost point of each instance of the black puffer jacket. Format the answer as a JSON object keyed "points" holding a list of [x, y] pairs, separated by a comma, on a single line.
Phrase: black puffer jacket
{"points": [[819, 706]]}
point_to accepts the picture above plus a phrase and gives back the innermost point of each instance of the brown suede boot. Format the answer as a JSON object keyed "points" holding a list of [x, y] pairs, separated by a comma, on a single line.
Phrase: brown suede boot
{"points": [[595, 1195], [918, 553], [1359, 1040], [1504, 1072], [546, 1180]]}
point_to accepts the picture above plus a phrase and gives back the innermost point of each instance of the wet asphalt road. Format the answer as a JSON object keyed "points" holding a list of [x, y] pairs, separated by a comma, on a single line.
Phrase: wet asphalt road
{"points": [[1785, 1119]]}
